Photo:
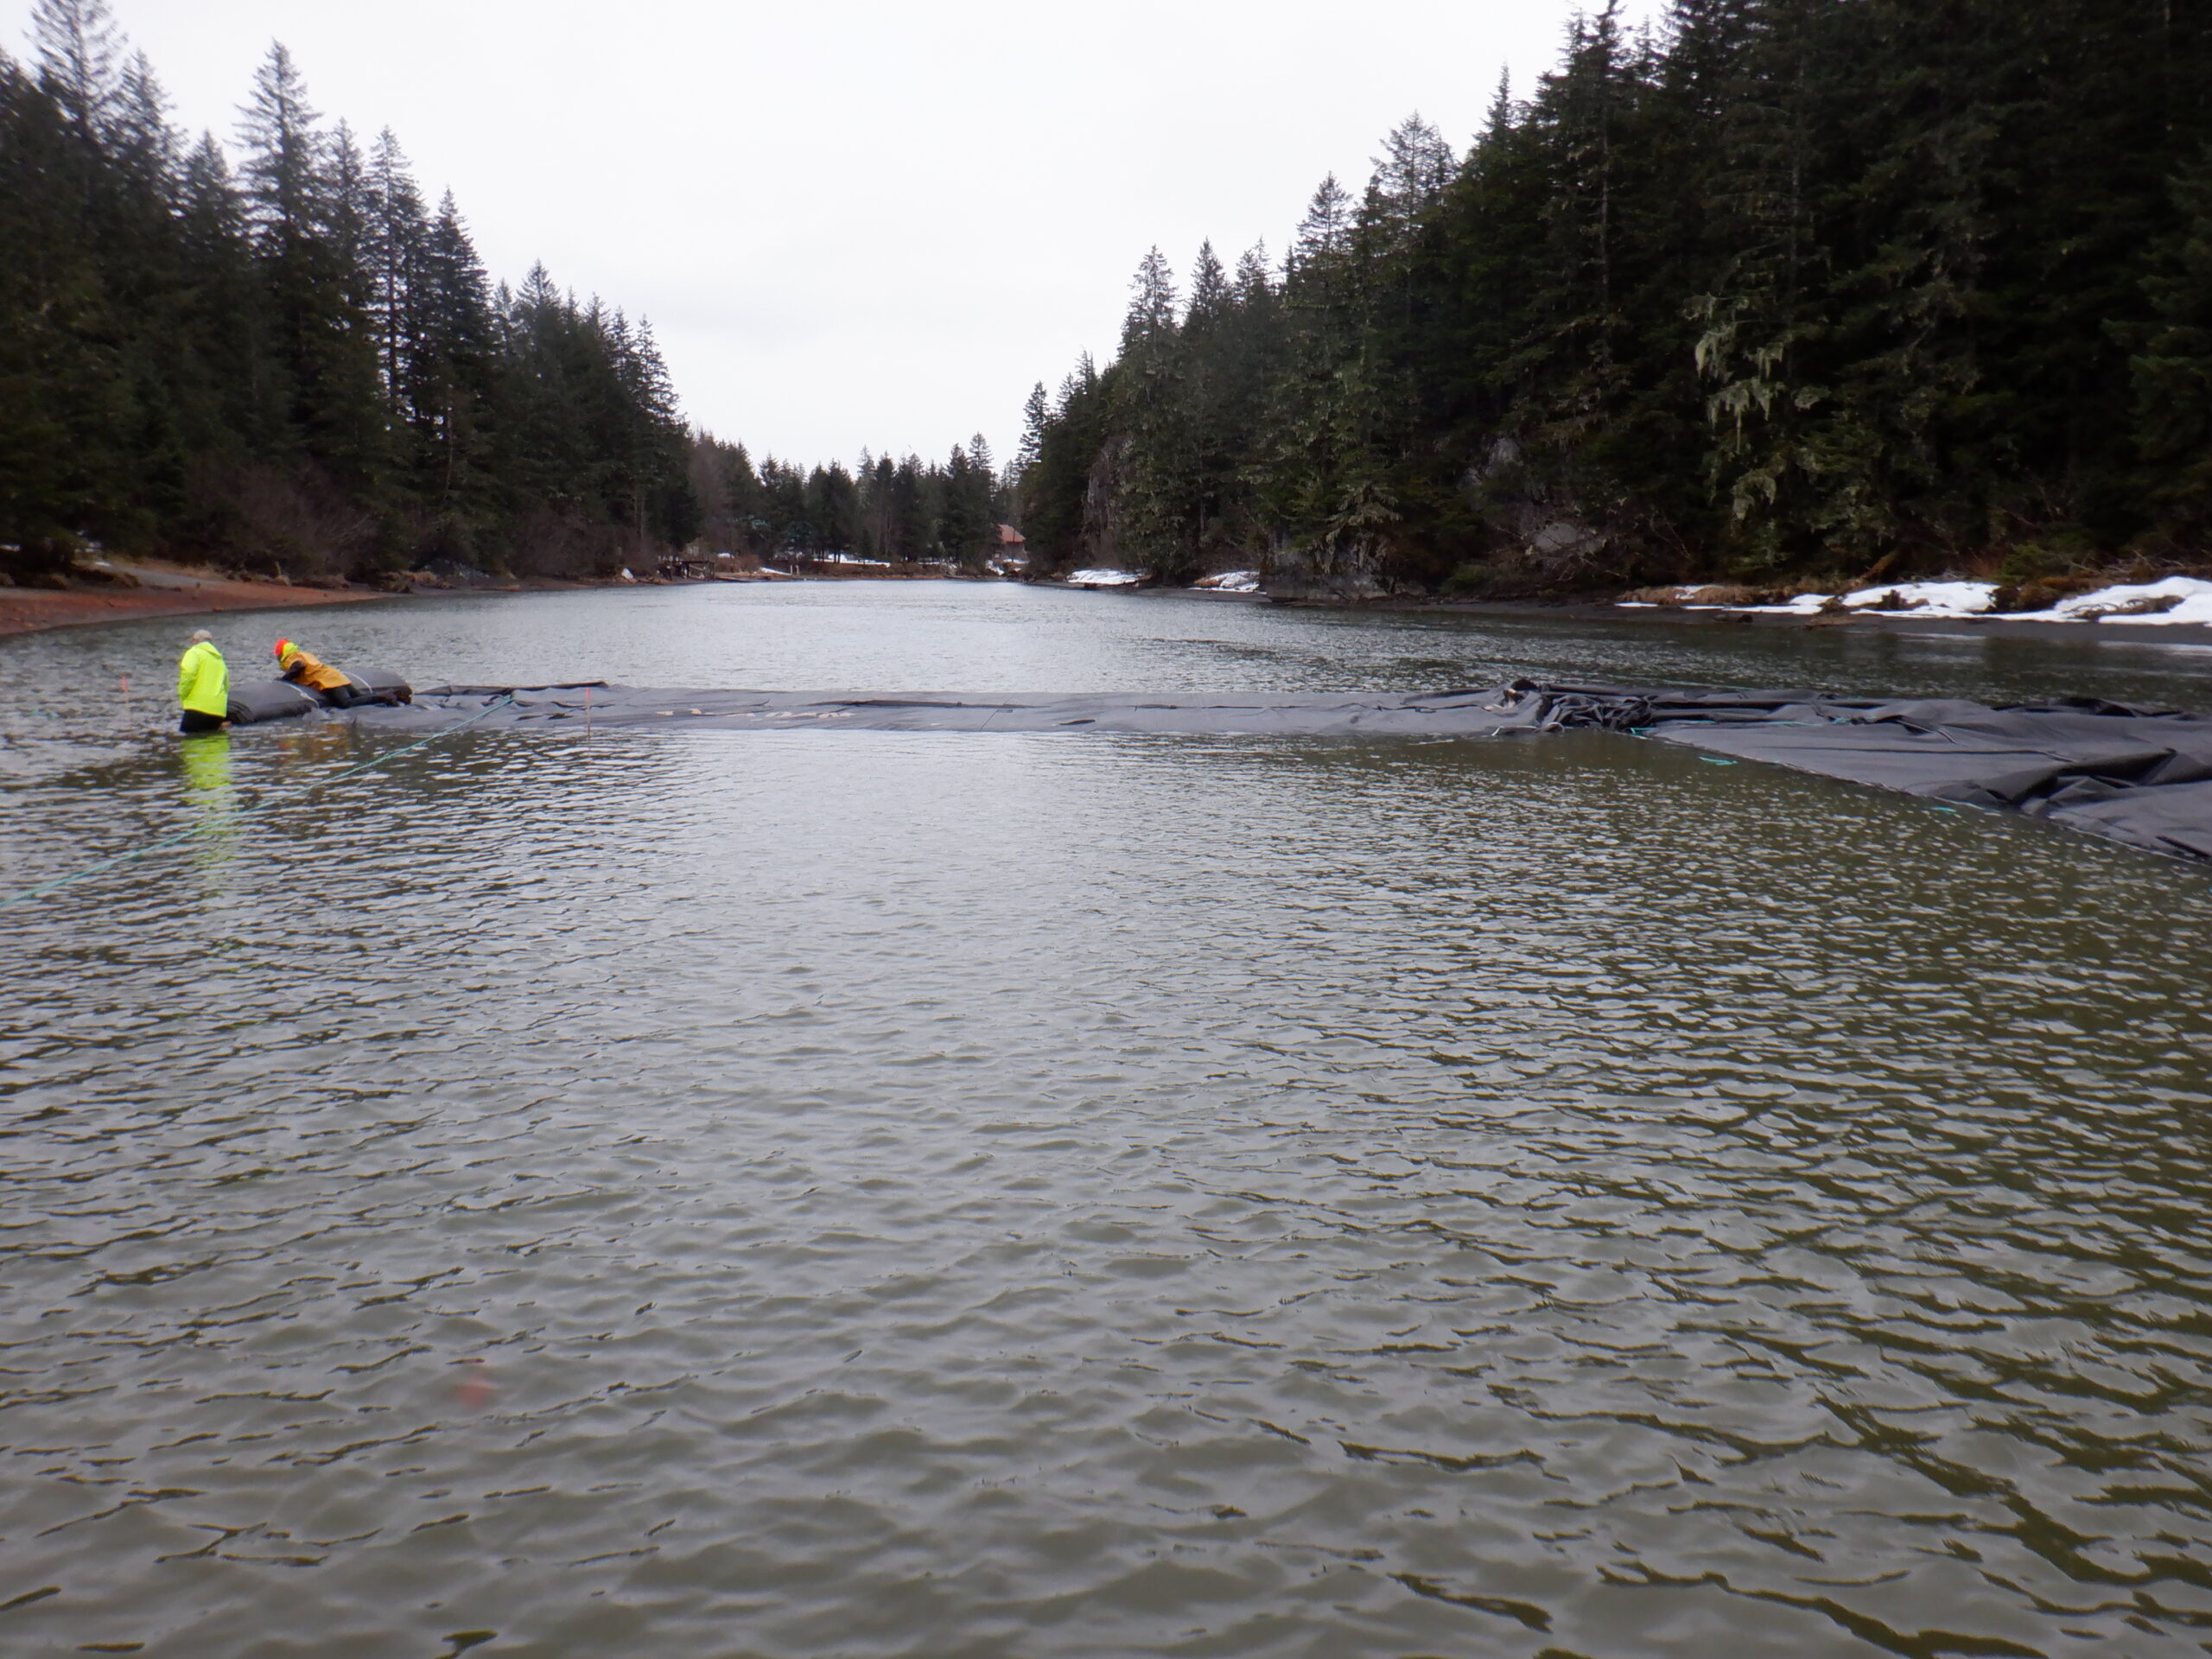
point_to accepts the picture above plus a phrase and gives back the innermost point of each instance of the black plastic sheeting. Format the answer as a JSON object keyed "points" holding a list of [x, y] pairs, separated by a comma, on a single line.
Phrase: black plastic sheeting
{"points": [[255, 701], [2138, 775]]}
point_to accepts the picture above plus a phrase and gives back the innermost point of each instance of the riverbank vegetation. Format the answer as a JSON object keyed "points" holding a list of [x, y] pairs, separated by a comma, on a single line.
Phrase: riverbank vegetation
{"points": [[1788, 288], [292, 362]]}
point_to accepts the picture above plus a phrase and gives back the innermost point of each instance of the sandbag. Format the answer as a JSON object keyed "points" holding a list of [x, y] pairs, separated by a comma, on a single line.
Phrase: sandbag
{"points": [[254, 701]]}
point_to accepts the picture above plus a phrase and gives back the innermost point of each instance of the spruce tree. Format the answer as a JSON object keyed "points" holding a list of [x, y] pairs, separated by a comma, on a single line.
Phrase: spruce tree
{"points": [[1158, 487], [395, 246], [965, 526], [79, 50], [913, 512], [65, 392], [304, 198], [1211, 295]]}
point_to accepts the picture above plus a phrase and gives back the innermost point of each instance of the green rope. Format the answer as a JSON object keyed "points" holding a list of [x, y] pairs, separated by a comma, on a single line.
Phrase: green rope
{"points": [[181, 836]]}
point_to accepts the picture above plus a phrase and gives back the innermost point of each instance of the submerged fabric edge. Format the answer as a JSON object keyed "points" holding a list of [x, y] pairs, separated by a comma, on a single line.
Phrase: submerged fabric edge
{"points": [[2132, 774]]}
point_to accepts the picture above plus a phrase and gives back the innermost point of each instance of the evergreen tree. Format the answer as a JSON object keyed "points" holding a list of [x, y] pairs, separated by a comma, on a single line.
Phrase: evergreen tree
{"points": [[303, 201], [1322, 485], [1158, 483], [913, 512], [2172, 373], [833, 506], [64, 390], [222, 335], [1056, 491], [140, 138], [396, 238], [1210, 295], [80, 64], [1036, 420], [452, 388], [965, 527]]}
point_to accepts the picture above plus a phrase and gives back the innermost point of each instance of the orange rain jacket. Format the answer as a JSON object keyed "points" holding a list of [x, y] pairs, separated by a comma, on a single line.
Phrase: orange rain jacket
{"points": [[305, 668]]}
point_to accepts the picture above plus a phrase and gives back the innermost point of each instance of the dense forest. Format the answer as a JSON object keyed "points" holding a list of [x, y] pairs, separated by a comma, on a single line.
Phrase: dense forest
{"points": [[1785, 288], [894, 511], [295, 365]]}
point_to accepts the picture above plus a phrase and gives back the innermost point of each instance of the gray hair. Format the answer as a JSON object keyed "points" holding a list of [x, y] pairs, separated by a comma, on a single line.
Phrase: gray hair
{"points": [[201, 633]]}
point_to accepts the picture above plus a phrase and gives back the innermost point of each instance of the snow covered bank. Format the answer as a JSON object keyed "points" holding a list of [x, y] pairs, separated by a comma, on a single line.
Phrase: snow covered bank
{"points": [[2173, 598], [2134, 604]]}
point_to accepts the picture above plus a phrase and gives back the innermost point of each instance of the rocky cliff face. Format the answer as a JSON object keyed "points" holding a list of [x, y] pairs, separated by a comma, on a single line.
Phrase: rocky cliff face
{"points": [[1104, 539], [1341, 574]]}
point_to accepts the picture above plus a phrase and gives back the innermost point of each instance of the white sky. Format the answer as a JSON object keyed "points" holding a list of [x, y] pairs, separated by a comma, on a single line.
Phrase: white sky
{"points": [[870, 223]]}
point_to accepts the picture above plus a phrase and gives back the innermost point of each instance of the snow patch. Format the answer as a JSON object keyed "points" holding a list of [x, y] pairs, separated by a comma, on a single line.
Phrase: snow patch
{"points": [[2195, 595], [1965, 601], [1928, 598], [1949, 599]]}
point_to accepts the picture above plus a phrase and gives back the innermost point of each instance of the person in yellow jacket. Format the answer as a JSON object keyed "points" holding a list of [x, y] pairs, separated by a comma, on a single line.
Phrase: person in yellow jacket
{"points": [[303, 667], [203, 685]]}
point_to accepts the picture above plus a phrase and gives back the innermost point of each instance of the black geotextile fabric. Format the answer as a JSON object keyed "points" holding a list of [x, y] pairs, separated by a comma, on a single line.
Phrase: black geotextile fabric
{"points": [[2138, 775]]}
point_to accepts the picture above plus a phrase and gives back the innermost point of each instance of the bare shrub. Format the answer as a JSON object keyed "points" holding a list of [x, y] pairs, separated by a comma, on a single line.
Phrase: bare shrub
{"points": [[2042, 593], [294, 526], [560, 547], [2141, 605]]}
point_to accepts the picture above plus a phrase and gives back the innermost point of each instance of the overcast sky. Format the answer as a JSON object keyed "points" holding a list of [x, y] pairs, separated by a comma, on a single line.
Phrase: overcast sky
{"points": [[869, 223]]}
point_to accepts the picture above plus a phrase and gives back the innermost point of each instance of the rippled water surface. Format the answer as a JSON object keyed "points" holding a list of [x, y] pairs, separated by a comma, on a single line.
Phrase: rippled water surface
{"points": [[842, 1193]]}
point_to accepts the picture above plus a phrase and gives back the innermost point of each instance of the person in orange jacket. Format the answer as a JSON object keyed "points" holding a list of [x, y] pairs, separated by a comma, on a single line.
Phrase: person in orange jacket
{"points": [[304, 668]]}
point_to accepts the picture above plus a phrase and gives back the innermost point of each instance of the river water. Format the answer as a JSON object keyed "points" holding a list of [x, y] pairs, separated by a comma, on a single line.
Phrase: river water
{"points": [[845, 1193]]}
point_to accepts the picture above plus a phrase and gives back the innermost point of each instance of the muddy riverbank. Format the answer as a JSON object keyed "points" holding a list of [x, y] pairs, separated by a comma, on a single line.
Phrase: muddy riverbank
{"points": [[156, 592], [139, 590]]}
